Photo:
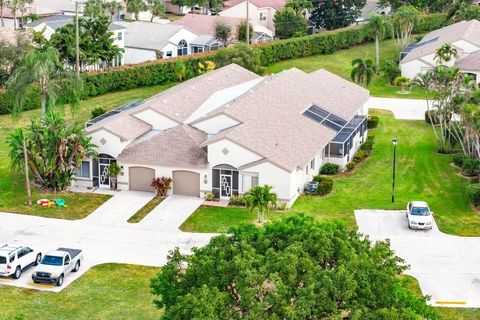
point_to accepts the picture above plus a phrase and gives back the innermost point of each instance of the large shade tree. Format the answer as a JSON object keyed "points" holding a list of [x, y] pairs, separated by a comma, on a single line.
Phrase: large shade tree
{"points": [[42, 68], [12, 54], [295, 268], [336, 14], [54, 147], [289, 23]]}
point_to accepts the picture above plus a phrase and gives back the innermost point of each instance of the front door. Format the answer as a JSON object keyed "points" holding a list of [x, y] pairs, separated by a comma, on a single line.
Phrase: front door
{"points": [[225, 186], [104, 178]]}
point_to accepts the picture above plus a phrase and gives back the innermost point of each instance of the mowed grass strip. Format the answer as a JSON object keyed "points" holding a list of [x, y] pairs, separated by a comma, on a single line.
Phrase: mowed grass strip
{"points": [[422, 174], [12, 184], [145, 210], [107, 291]]}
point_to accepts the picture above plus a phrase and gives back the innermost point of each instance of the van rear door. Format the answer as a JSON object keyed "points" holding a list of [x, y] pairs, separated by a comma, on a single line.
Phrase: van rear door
{"points": [[3, 264]]}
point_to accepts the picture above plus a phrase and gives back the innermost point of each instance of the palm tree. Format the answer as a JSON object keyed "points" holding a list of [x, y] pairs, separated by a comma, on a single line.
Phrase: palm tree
{"points": [[260, 198], [445, 53], [180, 70], [2, 5], [363, 71], [379, 25], [111, 7], [135, 7], [42, 68], [157, 9]]}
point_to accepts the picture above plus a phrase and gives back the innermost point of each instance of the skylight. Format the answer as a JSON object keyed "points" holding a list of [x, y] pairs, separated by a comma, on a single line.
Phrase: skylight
{"points": [[325, 118]]}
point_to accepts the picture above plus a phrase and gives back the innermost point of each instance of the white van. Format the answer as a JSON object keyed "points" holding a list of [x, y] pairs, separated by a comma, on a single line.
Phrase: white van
{"points": [[13, 260]]}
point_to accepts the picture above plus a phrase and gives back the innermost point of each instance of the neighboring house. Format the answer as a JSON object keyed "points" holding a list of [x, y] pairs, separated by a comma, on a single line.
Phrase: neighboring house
{"points": [[230, 129], [260, 11], [11, 20], [49, 25], [419, 57], [172, 8], [370, 8], [146, 41], [204, 25]]}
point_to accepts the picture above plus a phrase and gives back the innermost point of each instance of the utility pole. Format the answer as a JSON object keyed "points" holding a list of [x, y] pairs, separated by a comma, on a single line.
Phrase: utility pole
{"points": [[27, 179], [248, 22], [77, 42]]}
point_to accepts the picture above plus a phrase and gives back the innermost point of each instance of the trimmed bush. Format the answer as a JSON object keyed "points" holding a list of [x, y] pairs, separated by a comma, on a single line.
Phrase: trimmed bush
{"points": [[372, 122], [473, 193], [330, 169], [32, 101], [98, 112], [360, 156], [430, 22], [325, 185], [350, 166], [459, 159], [368, 144], [470, 166], [237, 201]]}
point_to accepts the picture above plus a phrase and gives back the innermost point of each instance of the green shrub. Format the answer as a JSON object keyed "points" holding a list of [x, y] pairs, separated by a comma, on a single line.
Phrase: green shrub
{"points": [[330, 168], [368, 144], [473, 193], [98, 112], [360, 155], [350, 166], [325, 185], [372, 122], [7, 101], [431, 22], [237, 201], [470, 166], [391, 70], [431, 118], [459, 159]]}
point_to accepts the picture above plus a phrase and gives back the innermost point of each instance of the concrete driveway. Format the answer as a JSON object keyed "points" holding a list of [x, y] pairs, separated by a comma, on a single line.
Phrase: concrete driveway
{"points": [[447, 267], [405, 109], [105, 236]]}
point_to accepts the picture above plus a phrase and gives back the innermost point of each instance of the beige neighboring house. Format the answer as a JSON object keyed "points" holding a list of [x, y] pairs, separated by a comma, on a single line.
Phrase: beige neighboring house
{"points": [[228, 130], [260, 11], [464, 36], [204, 25], [16, 20]]}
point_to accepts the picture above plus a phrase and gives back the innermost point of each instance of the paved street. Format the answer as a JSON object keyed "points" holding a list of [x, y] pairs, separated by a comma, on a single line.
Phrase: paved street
{"points": [[405, 109], [447, 267], [105, 236]]}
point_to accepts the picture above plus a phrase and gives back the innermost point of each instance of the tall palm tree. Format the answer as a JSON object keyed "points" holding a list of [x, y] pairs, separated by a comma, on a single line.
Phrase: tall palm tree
{"points": [[445, 53], [111, 7], [42, 68], [379, 25], [135, 7], [2, 5], [260, 198], [363, 71]]}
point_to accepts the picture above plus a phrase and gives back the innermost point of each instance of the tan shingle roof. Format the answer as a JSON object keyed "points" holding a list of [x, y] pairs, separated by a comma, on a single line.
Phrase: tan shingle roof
{"points": [[272, 118], [464, 30], [176, 146], [125, 126], [470, 62]]}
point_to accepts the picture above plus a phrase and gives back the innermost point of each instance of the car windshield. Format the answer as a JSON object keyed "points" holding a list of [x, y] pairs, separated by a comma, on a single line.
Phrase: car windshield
{"points": [[3, 260], [52, 261], [420, 211]]}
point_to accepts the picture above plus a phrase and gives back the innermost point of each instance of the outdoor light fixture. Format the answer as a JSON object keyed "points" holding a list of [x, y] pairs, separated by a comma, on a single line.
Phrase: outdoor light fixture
{"points": [[205, 180], [395, 142]]}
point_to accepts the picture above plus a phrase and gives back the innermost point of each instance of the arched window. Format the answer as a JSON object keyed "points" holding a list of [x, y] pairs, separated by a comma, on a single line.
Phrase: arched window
{"points": [[182, 48]]}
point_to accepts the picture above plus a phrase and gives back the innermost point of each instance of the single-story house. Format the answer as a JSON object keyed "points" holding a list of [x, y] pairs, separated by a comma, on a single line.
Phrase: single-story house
{"points": [[228, 130], [204, 25], [49, 25], [17, 20], [260, 11], [464, 36]]}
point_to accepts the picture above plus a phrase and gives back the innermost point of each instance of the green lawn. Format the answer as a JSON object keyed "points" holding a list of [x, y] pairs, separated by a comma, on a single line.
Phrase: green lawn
{"points": [[340, 63], [422, 174], [12, 185], [108, 291], [146, 209]]}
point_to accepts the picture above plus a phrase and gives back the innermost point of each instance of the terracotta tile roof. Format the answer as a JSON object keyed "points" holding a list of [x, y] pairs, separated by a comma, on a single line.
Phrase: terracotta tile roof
{"points": [[464, 30], [276, 4], [272, 121], [176, 146]]}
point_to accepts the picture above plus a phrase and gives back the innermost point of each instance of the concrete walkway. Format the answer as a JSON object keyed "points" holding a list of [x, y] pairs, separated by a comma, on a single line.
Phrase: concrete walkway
{"points": [[404, 109], [447, 267], [105, 236]]}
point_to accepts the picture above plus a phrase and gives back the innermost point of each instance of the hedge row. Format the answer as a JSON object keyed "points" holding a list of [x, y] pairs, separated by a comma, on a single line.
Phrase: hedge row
{"points": [[162, 72]]}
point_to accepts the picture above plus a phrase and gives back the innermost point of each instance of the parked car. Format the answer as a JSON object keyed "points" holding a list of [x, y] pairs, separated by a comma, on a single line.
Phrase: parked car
{"points": [[419, 215], [13, 260], [57, 264]]}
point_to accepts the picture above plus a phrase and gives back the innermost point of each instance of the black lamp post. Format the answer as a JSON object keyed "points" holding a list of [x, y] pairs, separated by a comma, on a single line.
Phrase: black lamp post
{"points": [[395, 142]]}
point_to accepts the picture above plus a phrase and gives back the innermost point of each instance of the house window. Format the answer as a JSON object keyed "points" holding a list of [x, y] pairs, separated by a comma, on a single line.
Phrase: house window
{"points": [[168, 54], [182, 48], [83, 171], [263, 16], [312, 164], [197, 49], [120, 36], [306, 170], [254, 181]]}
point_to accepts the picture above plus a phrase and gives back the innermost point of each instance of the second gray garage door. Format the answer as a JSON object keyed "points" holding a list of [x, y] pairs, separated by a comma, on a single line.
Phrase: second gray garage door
{"points": [[186, 183], [141, 178]]}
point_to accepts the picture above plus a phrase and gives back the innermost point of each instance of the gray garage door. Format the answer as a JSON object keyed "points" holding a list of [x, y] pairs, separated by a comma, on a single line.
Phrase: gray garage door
{"points": [[186, 183], [141, 178]]}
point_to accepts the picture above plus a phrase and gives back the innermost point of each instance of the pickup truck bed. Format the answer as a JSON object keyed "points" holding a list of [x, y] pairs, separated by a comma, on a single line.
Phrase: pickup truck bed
{"points": [[73, 252]]}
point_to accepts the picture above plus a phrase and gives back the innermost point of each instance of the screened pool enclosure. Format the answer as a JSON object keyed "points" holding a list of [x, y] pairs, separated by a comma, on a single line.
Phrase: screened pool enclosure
{"points": [[341, 145]]}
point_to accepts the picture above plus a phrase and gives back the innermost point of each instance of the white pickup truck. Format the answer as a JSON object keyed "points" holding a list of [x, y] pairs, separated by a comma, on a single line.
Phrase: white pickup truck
{"points": [[56, 264]]}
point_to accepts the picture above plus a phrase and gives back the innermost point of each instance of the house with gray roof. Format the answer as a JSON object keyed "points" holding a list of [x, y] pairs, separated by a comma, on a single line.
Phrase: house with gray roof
{"points": [[419, 57], [228, 130]]}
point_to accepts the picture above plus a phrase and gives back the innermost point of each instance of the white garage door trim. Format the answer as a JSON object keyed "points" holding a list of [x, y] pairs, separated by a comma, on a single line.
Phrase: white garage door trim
{"points": [[186, 183], [140, 178]]}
